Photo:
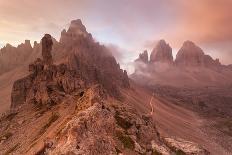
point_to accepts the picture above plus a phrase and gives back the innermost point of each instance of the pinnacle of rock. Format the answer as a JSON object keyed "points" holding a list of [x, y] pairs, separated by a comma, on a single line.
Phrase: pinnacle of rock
{"points": [[46, 49], [161, 53], [143, 57]]}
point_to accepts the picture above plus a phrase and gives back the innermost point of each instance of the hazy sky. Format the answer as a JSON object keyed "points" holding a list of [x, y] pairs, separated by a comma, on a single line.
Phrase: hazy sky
{"points": [[129, 26]]}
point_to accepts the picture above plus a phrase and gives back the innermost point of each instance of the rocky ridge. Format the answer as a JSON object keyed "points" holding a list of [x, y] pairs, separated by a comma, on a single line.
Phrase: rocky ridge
{"points": [[192, 55], [76, 107], [82, 67], [189, 55], [11, 57], [192, 67], [161, 53]]}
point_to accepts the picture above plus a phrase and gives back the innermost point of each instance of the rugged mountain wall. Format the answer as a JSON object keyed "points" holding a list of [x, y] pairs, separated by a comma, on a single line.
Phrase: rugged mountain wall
{"points": [[75, 105], [11, 57], [85, 63], [192, 67], [143, 57], [161, 53], [192, 55]]}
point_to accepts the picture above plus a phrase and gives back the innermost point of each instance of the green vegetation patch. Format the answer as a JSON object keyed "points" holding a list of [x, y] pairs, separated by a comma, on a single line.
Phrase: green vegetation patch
{"points": [[126, 140]]}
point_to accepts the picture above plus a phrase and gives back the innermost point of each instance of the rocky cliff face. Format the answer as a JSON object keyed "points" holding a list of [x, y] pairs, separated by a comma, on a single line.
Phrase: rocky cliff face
{"points": [[161, 53], [76, 106], [46, 83], [192, 55], [192, 67], [11, 57], [143, 57], [85, 63]]}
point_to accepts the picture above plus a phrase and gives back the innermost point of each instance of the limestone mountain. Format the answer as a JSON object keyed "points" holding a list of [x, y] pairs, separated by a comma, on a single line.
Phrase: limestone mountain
{"points": [[161, 53], [192, 67], [192, 55], [143, 57], [81, 102], [11, 57]]}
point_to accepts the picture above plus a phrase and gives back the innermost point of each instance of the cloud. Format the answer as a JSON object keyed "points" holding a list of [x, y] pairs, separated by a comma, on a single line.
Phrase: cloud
{"points": [[204, 21], [132, 25]]}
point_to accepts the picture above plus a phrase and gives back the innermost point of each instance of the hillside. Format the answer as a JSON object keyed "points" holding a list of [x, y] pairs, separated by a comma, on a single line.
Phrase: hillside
{"points": [[82, 103]]}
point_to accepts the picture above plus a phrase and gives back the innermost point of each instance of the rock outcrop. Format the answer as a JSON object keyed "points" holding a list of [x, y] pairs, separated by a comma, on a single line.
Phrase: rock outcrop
{"points": [[46, 49], [75, 30], [75, 105], [143, 57], [45, 86], [12, 57], [192, 67], [161, 53], [84, 63], [192, 55]]}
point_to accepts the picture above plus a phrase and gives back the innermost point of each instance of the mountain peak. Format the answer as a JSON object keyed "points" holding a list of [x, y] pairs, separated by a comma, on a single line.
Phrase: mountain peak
{"points": [[190, 55], [77, 27], [161, 53], [188, 43], [76, 30], [143, 57]]}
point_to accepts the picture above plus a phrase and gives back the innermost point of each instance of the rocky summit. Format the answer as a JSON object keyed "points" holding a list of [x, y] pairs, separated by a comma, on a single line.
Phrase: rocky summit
{"points": [[192, 67], [77, 100], [11, 57], [143, 57], [161, 53], [192, 55]]}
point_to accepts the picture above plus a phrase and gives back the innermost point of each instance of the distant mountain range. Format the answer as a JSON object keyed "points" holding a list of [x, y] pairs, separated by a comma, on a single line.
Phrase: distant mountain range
{"points": [[83, 103], [192, 67]]}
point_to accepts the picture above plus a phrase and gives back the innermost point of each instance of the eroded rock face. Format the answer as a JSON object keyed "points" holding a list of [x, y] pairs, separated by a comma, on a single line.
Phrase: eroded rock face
{"points": [[162, 53], [46, 49], [45, 86], [91, 60], [143, 57], [192, 55], [84, 61], [75, 31], [11, 57]]}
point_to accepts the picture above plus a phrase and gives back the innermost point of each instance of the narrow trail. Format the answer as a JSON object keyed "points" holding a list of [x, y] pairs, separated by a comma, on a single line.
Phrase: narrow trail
{"points": [[173, 120], [152, 108]]}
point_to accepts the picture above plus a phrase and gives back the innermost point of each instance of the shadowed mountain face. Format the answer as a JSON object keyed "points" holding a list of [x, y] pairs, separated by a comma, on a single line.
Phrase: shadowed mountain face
{"points": [[161, 53], [192, 55], [11, 57], [192, 67], [83, 62], [76, 49]]}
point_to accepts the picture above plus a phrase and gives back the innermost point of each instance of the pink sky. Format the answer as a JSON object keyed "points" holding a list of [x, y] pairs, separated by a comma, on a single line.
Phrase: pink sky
{"points": [[129, 25]]}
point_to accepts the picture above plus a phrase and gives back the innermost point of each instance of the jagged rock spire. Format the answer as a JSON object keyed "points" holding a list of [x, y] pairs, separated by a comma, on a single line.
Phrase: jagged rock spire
{"points": [[143, 57], [46, 49], [161, 53]]}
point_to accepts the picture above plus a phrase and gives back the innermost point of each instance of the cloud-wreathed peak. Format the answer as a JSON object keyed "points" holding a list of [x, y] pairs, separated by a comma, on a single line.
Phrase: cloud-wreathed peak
{"points": [[129, 24]]}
